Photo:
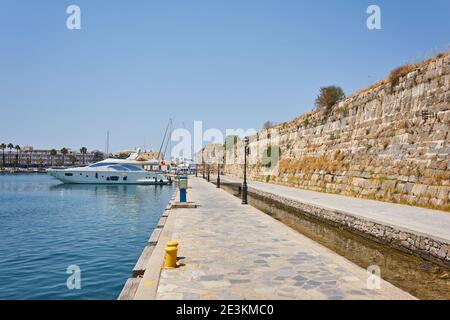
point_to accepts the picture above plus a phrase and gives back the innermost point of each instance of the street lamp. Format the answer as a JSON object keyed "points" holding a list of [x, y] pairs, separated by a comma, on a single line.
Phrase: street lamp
{"points": [[203, 164], [244, 184], [219, 158], [209, 169], [218, 175]]}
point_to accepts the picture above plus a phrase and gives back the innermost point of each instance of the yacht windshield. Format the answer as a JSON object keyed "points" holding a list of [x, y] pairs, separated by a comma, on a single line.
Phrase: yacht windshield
{"points": [[124, 167], [118, 167], [132, 168], [100, 164]]}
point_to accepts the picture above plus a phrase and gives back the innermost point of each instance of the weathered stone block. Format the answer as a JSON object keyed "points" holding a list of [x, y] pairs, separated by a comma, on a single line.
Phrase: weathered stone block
{"points": [[419, 190]]}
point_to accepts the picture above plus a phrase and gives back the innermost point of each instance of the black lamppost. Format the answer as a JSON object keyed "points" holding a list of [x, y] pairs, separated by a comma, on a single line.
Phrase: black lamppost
{"points": [[209, 169], [244, 184], [196, 170], [203, 164], [218, 175]]}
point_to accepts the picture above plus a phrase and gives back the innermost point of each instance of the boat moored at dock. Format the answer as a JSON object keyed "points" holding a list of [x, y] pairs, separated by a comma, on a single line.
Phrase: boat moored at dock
{"points": [[112, 171]]}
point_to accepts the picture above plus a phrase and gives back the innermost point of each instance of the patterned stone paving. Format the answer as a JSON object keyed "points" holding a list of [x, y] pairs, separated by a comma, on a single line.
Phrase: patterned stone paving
{"points": [[230, 251], [433, 223]]}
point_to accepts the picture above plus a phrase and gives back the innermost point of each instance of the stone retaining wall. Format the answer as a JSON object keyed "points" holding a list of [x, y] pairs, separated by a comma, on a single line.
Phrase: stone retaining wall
{"points": [[389, 142]]}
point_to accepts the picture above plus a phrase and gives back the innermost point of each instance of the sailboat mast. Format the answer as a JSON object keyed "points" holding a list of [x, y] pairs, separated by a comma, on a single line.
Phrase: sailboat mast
{"points": [[169, 141], [107, 142], [164, 138]]}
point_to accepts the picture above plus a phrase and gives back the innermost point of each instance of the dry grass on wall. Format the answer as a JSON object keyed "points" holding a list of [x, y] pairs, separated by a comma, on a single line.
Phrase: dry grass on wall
{"points": [[308, 165], [396, 74]]}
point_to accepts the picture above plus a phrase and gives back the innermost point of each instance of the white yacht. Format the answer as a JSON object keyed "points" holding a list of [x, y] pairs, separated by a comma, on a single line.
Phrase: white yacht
{"points": [[112, 171]]}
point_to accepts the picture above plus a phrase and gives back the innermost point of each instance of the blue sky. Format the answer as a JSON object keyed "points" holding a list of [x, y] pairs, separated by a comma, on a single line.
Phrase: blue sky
{"points": [[229, 63]]}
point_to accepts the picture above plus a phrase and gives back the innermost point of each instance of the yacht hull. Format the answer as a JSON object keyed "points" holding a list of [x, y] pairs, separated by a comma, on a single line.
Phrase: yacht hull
{"points": [[107, 177]]}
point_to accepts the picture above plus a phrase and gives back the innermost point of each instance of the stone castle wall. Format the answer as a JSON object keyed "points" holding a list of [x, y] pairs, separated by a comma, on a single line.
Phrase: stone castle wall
{"points": [[389, 142]]}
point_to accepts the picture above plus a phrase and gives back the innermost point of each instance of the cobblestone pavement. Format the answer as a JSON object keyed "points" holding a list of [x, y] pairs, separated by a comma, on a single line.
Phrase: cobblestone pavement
{"points": [[433, 223], [230, 251]]}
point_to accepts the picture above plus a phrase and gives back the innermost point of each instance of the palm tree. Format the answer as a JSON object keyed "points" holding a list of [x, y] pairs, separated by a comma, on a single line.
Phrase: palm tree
{"points": [[3, 147], [83, 151], [17, 147], [64, 151], [73, 159], [10, 147], [27, 158], [53, 153]]}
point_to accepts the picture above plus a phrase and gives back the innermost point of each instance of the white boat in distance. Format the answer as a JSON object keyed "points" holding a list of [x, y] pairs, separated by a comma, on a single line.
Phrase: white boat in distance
{"points": [[112, 171]]}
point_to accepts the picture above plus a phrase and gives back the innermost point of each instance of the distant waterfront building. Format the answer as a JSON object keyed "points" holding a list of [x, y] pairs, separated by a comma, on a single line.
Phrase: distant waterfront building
{"points": [[30, 157]]}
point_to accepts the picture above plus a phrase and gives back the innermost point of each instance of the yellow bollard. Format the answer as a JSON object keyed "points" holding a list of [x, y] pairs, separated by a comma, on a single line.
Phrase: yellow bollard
{"points": [[172, 243], [171, 257]]}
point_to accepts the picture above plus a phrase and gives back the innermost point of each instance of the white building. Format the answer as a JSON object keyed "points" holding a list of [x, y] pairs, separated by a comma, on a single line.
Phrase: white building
{"points": [[30, 157]]}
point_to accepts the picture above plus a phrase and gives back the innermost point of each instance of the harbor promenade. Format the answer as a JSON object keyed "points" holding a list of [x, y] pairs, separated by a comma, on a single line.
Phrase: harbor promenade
{"points": [[427, 222], [231, 251]]}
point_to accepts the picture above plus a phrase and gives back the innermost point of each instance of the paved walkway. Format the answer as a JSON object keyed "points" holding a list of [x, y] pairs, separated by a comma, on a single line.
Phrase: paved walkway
{"points": [[237, 252], [428, 222]]}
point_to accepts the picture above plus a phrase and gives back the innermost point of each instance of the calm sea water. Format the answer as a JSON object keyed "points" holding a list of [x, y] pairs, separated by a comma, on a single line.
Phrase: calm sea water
{"points": [[46, 226]]}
